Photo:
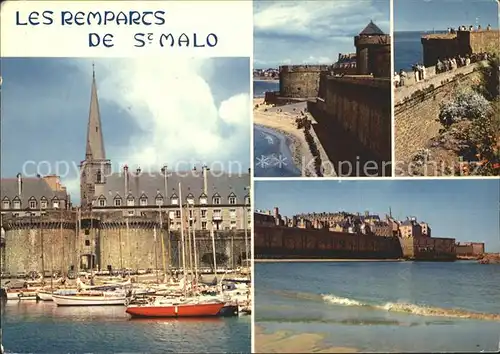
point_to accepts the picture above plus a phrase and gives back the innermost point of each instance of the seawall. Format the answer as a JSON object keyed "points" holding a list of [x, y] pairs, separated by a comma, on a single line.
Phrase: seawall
{"points": [[417, 107], [278, 242], [354, 120]]}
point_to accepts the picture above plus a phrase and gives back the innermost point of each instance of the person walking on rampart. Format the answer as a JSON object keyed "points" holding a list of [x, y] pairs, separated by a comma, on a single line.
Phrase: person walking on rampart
{"points": [[402, 77], [467, 61], [415, 72], [479, 27], [488, 27], [471, 28], [423, 71], [439, 67], [396, 80]]}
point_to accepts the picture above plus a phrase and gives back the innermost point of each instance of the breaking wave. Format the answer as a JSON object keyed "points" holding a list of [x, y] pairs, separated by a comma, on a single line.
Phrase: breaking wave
{"points": [[413, 309]]}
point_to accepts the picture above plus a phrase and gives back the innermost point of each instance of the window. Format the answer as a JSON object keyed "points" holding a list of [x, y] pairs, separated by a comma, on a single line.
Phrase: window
{"points": [[191, 223], [87, 242], [43, 204], [5, 204], [130, 202], [217, 213], [99, 177], [190, 200], [174, 201], [32, 204], [233, 224], [143, 201], [232, 200], [216, 200], [203, 225], [102, 202], [55, 204], [249, 212], [203, 213], [118, 202], [159, 200], [203, 199], [247, 200], [171, 214], [87, 232], [177, 213], [130, 212], [190, 213], [232, 213]]}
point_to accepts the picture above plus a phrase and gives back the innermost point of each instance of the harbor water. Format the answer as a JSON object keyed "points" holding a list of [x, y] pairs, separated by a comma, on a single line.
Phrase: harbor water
{"points": [[383, 306], [260, 87], [43, 327]]}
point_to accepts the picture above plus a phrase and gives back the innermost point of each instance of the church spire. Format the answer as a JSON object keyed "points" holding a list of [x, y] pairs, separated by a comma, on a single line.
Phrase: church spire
{"points": [[95, 142]]}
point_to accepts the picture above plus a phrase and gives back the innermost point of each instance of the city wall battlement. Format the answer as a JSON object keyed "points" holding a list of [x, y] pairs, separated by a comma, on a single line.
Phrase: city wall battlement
{"points": [[361, 105], [417, 108], [292, 242]]}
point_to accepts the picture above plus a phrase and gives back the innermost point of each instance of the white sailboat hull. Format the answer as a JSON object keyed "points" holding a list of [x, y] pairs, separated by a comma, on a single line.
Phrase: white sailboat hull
{"points": [[44, 296], [72, 300], [17, 296]]}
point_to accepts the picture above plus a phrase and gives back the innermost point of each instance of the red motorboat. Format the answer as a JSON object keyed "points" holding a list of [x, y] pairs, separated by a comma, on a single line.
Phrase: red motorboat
{"points": [[180, 309]]}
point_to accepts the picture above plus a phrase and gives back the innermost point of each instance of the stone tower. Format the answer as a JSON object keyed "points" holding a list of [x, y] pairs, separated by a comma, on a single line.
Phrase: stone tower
{"points": [[95, 168], [373, 52]]}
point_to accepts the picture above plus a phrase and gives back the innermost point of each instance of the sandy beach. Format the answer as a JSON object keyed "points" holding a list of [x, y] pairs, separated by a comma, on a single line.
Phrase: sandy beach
{"points": [[284, 123], [284, 342], [324, 260], [273, 81]]}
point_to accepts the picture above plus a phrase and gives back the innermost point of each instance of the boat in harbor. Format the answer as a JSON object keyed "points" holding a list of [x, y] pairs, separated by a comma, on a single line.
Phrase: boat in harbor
{"points": [[90, 298], [176, 308]]}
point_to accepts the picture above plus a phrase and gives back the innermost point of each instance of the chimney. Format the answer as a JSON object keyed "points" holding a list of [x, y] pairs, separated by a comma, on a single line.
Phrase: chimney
{"points": [[125, 175], [19, 185], [276, 215]]}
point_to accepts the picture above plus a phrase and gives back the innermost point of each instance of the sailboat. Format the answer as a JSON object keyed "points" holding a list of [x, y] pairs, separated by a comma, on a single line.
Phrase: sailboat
{"points": [[178, 306]]}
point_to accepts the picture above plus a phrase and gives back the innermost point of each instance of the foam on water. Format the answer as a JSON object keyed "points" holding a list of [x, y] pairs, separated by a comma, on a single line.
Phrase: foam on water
{"points": [[413, 309]]}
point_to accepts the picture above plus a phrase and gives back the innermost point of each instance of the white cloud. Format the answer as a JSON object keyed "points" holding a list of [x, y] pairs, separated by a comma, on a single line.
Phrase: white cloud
{"points": [[307, 30], [175, 109]]}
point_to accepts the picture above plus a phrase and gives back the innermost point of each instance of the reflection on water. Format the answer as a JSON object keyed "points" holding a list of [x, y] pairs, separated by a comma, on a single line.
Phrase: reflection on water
{"points": [[110, 329]]}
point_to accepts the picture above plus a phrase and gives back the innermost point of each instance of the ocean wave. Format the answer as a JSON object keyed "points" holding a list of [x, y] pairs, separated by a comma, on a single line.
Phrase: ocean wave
{"points": [[414, 309]]}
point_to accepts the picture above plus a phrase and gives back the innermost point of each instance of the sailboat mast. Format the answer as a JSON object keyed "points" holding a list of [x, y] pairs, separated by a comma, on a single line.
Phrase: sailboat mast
{"points": [[182, 239], [194, 248], [42, 242], [213, 249], [156, 255], [162, 245], [190, 246]]}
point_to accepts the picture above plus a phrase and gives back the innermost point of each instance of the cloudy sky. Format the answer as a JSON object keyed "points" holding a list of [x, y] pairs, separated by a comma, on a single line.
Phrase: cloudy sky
{"points": [[153, 111], [426, 15], [311, 32]]}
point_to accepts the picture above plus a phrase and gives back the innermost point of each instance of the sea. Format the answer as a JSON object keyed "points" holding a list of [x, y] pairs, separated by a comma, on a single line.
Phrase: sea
{"points": [[383, 306], [408, 49], [272, 154], [43, 327]]}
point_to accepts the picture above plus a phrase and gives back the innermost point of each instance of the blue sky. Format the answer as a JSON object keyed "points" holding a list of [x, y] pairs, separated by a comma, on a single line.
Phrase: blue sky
{"points": [[467, 210], [426, 15], [153, 111], [311, 32]]}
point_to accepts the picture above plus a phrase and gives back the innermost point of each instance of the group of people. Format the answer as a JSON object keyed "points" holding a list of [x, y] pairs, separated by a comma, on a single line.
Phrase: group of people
{"points": [[470, 28], [446, 64], [419, 73]]}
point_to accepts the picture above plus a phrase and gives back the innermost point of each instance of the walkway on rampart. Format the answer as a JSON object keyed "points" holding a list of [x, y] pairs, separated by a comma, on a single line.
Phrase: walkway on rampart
{"points": [[403, 93]]}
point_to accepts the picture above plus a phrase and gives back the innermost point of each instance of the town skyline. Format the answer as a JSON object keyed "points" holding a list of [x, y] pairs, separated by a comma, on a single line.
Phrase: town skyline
{"points": [[479, 222], [300, 31], [151, 115], [431, 16]]}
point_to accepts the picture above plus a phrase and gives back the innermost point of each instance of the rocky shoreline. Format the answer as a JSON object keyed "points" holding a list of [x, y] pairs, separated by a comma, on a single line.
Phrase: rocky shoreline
{"points": [[490, 258]]}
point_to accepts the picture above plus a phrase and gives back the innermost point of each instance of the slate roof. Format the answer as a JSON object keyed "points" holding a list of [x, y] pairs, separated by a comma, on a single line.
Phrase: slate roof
{"points": [[31, 187], [152, 185], [372, 30]]}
